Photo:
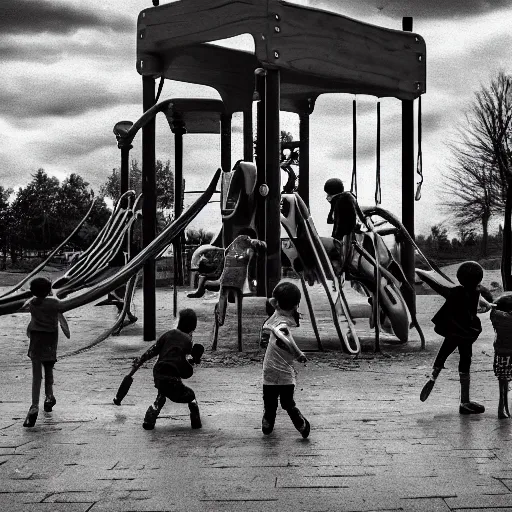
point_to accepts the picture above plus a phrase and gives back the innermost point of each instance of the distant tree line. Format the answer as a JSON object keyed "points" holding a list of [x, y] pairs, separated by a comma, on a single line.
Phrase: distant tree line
{"points": [[440, 248], [39, 216]]}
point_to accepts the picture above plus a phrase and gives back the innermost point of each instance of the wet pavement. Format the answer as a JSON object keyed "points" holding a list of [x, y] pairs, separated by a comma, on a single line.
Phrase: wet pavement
{"points": [[373, 444]]}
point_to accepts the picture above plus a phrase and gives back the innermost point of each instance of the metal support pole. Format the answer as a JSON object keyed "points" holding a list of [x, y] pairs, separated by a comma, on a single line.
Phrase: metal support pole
{"points": [[273, 172], [225, 142], [125, 184], [261, 212], [407, 251], [303, 188], [149, 209], [125, 168], [248, 138]]}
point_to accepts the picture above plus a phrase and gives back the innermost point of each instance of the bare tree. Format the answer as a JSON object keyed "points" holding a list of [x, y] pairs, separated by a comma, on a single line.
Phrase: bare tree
{"points": [[487, 137], [471, 194]]}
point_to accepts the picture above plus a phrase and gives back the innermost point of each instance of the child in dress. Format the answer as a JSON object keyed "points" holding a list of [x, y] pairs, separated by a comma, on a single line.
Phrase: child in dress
{"points": [[172, 348], [458, 322], [43, 331], [279, 374], [501, 318]]}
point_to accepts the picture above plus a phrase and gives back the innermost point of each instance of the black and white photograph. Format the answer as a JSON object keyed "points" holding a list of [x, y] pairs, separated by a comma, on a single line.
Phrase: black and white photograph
{"points": [[255, 255]]}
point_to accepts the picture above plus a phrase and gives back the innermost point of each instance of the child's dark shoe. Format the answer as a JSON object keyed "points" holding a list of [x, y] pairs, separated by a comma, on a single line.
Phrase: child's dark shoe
{"points": [[304, 431], [471, 408], [427, 388], [150, 418], [502, 414], [197, 352], [266, 426], [31, 418], [195, 417], [49, 402]]}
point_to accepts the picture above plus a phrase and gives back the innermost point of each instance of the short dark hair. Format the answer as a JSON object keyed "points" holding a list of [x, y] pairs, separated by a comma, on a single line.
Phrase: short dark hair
{"points": [[287, 295], [187, 321], [334, 186], [470, 274], [41, 287], [250, 232], [504, 303]]}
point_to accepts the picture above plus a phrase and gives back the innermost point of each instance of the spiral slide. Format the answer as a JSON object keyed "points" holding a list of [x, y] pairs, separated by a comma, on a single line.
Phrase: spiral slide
{"points": [[126, 272]]}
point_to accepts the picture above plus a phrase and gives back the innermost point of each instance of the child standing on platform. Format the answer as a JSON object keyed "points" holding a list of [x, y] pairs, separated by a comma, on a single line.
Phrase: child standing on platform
{"points": [[43, 331], [458, 322], [279, 374], [501, 318]]}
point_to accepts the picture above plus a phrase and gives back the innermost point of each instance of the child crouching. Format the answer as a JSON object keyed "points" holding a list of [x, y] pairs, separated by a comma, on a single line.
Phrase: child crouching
{"points": [[172, 348]]}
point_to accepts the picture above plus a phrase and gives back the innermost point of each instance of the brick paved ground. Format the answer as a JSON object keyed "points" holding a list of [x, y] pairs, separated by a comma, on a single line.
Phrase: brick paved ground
{"points": [[373, 444]]}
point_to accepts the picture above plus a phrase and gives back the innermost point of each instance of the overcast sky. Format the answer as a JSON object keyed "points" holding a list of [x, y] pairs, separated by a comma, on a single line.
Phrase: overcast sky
{"points": [[68, 75]]}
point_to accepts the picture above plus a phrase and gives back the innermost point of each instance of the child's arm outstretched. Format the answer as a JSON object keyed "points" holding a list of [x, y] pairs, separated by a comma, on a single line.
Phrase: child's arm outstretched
{"points": [[285, 341], [151, 352]]}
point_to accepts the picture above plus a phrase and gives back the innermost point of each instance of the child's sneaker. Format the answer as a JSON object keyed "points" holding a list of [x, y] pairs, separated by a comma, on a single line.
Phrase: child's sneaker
{"points": [[150, 418], [49, 402], [304, 431], [471, 408], [31, 418], [266, 426], [195, 417], [427, 388]]}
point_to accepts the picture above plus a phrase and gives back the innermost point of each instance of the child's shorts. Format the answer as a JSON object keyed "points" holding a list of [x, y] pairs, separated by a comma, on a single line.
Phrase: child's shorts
{"points": [[43, 345], [503, 367]]}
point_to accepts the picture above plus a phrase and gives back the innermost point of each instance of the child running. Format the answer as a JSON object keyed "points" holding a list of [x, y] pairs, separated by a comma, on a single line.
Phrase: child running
{"points": [[458, 322], [172, 348], [279, 374], [43, 331], [501, 318]]}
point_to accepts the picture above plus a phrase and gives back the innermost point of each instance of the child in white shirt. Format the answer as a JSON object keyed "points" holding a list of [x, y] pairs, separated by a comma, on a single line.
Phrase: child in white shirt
{"points": [[279, 374]]}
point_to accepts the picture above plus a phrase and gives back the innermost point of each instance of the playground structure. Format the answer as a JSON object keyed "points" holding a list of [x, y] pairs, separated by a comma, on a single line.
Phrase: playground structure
{"points": [[287, 71], [325, 260]]}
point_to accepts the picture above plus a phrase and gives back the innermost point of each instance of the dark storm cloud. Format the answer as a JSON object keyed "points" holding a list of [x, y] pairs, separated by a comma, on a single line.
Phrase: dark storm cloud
{"points": [[48, 52], [75, 146], [37, 16], [41, 99], [416, 8]]}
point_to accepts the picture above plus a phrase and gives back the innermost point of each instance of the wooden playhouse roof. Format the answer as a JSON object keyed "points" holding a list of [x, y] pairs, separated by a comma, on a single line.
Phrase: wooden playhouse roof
{"points": [[315, 50]]}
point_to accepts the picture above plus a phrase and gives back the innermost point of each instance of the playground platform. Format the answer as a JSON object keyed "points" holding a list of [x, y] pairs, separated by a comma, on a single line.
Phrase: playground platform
{"points": [[373, 445]]}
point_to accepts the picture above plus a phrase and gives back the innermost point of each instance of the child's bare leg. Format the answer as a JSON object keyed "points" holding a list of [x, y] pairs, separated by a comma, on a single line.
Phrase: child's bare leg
{"points": [[37, 376], [505, 397], [501, 402], [49, 400]]}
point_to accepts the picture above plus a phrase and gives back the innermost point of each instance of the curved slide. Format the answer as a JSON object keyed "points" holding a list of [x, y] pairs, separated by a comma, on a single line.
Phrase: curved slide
{"points": [[112, 282], [297, 221]]}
